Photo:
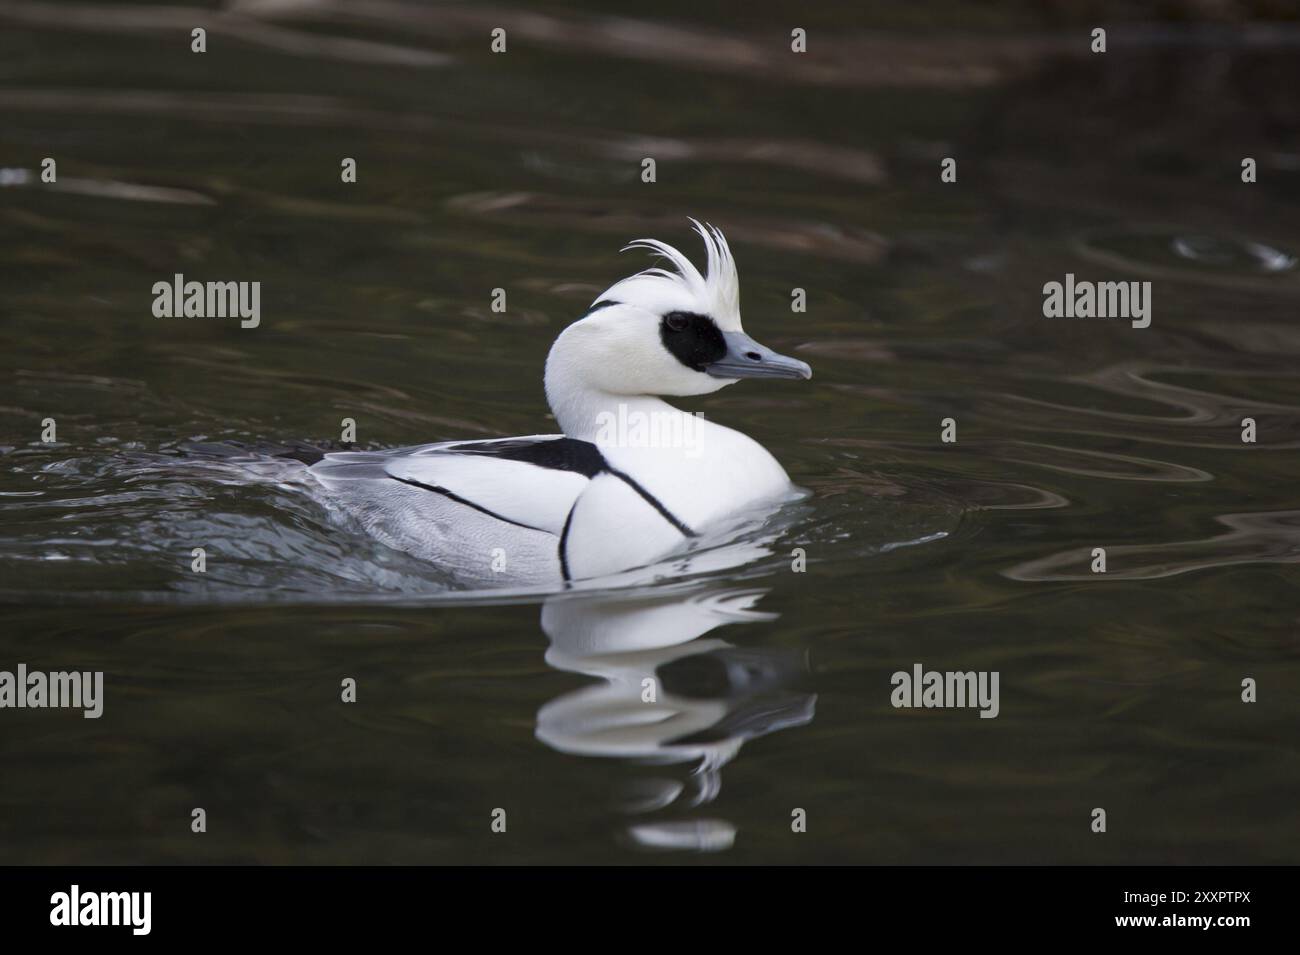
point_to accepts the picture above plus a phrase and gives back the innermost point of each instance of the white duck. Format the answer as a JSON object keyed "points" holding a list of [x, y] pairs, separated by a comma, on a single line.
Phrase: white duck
{"points": [[631, 480]]}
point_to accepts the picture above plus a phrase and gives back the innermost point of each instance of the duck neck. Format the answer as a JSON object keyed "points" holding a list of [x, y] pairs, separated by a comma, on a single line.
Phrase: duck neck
{"points": [[587, 412], [592, 415]]}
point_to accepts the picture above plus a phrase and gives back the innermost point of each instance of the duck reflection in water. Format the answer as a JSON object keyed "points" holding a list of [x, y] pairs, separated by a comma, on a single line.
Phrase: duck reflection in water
{"points": [[668, 696]]}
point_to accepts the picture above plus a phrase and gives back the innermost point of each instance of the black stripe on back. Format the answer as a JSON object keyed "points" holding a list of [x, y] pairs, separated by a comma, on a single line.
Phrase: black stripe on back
{"points": [[460, 500], [564, 541], [645, 495], [655, 503], [554, 454]]}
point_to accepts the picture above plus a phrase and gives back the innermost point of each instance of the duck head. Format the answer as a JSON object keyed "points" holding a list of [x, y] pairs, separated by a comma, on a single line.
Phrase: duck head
{"points": [[665, 332]]}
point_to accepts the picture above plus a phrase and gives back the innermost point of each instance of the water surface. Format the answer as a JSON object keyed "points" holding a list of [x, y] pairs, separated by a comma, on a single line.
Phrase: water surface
{"points": [[521, 171]]}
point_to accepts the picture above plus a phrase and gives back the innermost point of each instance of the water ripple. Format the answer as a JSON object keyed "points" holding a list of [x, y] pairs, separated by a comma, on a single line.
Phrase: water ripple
{"points": [[1271, 537]]}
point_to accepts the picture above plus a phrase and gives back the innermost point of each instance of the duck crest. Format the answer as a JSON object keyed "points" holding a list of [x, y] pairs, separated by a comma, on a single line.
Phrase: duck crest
{"points": [[717, 290]]}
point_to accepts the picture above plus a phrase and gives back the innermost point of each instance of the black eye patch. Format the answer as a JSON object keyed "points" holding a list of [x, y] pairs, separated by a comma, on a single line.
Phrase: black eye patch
{"points": [[693, 339]]}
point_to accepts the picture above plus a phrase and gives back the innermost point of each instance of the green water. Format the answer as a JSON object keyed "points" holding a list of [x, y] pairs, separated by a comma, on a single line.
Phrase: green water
{"points": [[522, 171]]}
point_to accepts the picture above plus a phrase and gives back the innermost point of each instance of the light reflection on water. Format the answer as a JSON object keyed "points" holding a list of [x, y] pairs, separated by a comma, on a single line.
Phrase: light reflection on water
{"points": [[519, 171]]}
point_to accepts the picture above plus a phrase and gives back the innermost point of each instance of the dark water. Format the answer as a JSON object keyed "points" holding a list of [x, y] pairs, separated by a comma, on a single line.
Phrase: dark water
{"points": [[521, 171]]}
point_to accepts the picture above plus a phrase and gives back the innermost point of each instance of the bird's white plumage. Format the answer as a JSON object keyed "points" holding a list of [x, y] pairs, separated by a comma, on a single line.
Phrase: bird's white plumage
{"points": [[588, 502]]}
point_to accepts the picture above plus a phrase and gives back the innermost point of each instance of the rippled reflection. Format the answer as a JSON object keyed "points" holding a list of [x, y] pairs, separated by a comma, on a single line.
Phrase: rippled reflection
{"points": [[667, 696]]}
